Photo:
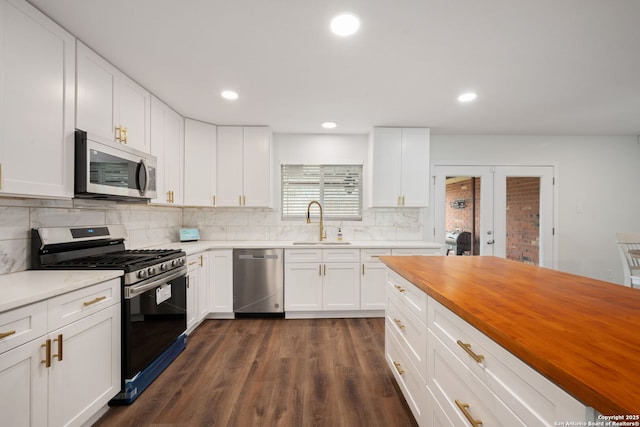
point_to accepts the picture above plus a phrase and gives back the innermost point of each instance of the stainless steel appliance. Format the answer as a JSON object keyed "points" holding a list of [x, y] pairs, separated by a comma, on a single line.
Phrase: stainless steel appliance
{"points": [[459, 242], [105, 170], [258, 281], [154, 300]]}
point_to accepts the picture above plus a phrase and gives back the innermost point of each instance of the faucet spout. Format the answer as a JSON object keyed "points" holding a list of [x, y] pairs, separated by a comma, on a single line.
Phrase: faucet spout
{"points": [[322, 235]]}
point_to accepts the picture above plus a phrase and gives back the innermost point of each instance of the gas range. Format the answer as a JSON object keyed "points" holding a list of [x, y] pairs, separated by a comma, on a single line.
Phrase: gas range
{"points": [[100, 248]]}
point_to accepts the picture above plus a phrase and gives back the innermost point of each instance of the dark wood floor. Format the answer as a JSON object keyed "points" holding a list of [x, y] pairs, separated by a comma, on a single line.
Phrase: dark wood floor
{"points": [[274, 372]]}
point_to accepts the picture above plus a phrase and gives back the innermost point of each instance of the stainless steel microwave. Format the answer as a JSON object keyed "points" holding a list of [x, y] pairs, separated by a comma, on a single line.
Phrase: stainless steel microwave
{"points": [[105, 170]]}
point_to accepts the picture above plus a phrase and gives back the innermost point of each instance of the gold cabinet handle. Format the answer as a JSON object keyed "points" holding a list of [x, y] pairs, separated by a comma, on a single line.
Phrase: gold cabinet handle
{"points": [[93, 301], [363, 269], [399, 323], [59, 341], [399, 203], [400, 288], [467, 347], [201, 261], [324, 269], [7, 334], [124, 135], [193, 262], [214, 200], [244, 200], [168, 196], [465, 411], [47, 354], [119, 133], [398, 368], [240, 200]]}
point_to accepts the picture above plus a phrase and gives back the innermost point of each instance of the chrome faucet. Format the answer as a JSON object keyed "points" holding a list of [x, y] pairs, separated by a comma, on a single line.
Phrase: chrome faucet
{"points": [[322, 232]]}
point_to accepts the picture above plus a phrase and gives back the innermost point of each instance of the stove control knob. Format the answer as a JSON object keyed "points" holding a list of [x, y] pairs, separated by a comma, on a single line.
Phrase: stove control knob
{"points": [[174, 263], [141, 274], [151, 271], [163, 267]]}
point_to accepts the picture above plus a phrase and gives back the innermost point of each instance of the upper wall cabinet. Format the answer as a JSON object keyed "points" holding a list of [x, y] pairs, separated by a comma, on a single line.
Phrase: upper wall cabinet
{"points": [[37, 65], [400, 167], [167, 144], [199, 163], [244, 166], [110, 104]]}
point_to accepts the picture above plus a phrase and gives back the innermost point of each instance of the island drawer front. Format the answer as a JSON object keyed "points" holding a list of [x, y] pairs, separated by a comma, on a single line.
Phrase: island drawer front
{"points": [[532, 397], [373, 255], [411, 331], [67, 308], [22, 325], [417, 251], [412, 385], [412, 297], [341, 255], [303, 255], [453, 384]]}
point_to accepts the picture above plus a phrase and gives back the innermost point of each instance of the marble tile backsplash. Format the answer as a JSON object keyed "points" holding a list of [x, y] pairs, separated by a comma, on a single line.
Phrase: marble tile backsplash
{"points": [[154, 225]]}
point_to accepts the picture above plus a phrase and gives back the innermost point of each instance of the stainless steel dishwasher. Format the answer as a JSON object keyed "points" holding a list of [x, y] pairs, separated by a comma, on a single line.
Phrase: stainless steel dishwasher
{"points": [[258, 281]]}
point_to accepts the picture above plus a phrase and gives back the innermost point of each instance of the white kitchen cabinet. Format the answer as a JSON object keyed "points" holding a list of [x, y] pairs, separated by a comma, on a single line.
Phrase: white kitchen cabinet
{"points": [[221, 281], [400, 167], [167, 144], [65, 376], [244, 166], [200, 150], [110, 104], [373, 279], [197, 289], [37, 64], [322, 280]]}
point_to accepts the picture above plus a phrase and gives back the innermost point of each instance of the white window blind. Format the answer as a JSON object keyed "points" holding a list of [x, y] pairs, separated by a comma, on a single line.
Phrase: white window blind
{"points": [[337, 187]]}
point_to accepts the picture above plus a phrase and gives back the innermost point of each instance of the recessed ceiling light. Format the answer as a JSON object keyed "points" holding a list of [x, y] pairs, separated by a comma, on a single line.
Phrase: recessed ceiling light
{"points": [[345, 24], [229, 94], [329, 125], [467, 97]]}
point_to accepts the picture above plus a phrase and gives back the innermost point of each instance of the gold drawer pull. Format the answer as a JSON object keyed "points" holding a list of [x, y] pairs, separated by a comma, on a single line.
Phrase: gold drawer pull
{"points": [[6, 334], [465, 411], [467, 347], [399, 323], [59, 341], [400, 288], [398, 368], [47, 355], [93, 301]]}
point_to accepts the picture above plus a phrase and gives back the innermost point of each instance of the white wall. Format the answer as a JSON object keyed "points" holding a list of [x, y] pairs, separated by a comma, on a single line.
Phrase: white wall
{"points": [[598, 173]]}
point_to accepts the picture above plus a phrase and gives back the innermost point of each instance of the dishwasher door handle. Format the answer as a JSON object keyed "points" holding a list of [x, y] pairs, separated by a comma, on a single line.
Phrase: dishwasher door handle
{"points": [[258, 257]]}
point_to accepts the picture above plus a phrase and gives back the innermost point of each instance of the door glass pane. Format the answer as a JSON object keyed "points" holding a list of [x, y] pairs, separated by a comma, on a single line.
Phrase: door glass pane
{"points": [[462, 215], [523, 219]]}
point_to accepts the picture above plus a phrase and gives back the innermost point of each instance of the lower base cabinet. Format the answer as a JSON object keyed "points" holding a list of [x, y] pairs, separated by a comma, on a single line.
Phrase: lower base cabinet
{"points": [[221, 282], [62, 378], [492, 389], [197, 289]]}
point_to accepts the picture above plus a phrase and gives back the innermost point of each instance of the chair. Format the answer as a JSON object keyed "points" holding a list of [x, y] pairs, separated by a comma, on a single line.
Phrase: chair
{"points": [[630, 263]]}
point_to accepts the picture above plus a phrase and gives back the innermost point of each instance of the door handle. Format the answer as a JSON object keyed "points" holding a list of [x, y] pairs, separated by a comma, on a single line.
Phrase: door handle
{"points": [[490, 242]]}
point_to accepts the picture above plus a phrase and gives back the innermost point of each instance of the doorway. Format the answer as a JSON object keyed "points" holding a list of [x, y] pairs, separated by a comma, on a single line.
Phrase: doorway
{"points": [[507, 210]]}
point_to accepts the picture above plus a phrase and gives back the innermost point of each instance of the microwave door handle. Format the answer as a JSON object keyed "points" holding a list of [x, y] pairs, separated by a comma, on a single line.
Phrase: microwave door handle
{"points": [[143, 188]]}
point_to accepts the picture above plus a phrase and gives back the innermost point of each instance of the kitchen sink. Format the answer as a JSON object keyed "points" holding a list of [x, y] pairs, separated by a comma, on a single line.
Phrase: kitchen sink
{"points": [[318, 243]]}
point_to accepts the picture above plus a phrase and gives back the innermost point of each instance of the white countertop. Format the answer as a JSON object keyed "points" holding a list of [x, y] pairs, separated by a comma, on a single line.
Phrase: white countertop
{"points": [[27, 287], [203, 245]]}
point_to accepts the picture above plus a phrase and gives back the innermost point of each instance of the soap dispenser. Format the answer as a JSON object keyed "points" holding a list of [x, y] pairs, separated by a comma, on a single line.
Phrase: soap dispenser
{"points": [[339, 233]]}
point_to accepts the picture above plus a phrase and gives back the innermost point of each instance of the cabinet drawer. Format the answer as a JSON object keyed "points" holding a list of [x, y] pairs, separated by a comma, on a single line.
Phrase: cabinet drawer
{"points": [[303, 255], [78, 304], [409, 294], [22, 324], [341, 255], [533, 398], [411, 331], [453, 384], [373, 255], [413, 387], [417, 251]]}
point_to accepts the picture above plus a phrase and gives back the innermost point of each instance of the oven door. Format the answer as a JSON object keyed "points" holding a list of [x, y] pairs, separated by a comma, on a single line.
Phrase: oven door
{"points": [[154, 316]]}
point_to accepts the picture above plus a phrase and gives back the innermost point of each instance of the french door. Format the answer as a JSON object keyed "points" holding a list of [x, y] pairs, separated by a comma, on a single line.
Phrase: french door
{"points": [[509, 210]]}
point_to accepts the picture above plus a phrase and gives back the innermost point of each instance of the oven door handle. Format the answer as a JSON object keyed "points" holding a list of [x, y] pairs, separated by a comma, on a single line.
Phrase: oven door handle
{"points": [[135, 290]]}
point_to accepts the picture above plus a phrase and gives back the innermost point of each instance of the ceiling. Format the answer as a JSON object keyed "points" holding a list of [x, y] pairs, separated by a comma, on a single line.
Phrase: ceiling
{"points": [[543, 67]]}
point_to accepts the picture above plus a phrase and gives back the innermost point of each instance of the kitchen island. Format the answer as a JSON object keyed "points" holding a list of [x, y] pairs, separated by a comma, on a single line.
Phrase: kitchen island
{"points": [[579, 333]]}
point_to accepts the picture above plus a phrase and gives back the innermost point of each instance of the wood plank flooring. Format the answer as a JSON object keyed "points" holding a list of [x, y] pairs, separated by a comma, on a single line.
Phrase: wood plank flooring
{"points": [[274, 372]]}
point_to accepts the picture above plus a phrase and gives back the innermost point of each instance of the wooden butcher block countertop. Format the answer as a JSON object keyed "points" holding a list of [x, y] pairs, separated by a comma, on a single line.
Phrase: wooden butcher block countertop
{"points": [[582, 334]]}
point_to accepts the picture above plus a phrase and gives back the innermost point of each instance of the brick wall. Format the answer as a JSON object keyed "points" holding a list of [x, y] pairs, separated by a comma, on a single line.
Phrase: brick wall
{"points": [[462, 219], [523, 219]]}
